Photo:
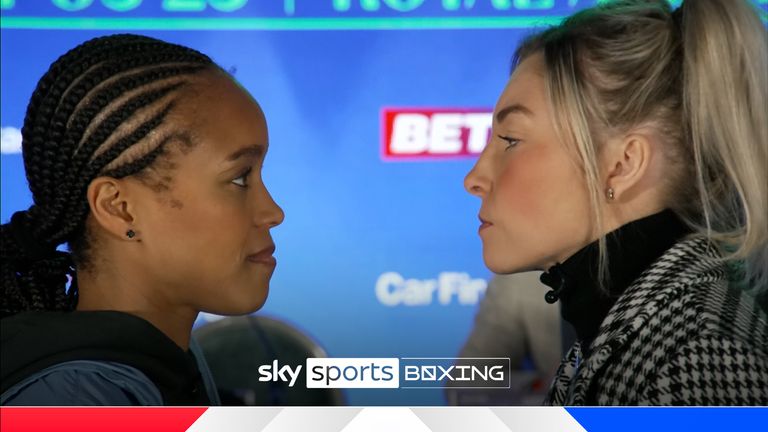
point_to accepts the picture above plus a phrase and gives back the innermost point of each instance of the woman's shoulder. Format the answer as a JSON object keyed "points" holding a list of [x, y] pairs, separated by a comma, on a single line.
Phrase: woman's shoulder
{"points": [[703, 288], [692, 259], [85, 383], [722, 310], [712, 349], [689, 335], [34, 342], [685, 299], [692, 284]]}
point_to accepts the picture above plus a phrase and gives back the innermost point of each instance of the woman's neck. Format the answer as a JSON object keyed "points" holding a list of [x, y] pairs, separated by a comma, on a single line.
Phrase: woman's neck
{"points": [[103, 292]]}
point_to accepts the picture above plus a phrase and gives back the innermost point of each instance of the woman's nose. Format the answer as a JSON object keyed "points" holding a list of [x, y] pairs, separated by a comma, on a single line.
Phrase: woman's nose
{"points": [[475, 182], [269, 213]]}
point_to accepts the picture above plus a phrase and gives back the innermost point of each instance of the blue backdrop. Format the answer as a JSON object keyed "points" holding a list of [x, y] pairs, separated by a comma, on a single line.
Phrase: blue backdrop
{"points": [[322, 71]]}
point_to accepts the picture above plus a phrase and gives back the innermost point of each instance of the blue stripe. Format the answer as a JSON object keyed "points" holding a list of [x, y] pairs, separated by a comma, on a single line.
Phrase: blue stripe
{"points": [[658, 419]]}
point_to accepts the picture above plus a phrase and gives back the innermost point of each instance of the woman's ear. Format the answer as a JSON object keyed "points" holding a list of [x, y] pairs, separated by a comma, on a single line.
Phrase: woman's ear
{"points": [[627, 161], [111, 206]]}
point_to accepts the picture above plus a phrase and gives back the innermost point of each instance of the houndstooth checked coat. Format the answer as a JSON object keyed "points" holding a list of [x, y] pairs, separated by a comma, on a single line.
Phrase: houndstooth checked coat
{"points": [[679, 335]]}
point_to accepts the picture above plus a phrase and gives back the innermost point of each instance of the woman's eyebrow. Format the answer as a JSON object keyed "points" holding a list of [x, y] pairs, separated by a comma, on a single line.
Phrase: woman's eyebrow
{"points": [[513, 109], [256, 150]]}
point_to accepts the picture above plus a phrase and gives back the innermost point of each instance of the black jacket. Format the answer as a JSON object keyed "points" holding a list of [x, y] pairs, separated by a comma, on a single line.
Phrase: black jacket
{"points": [[34, 341]]}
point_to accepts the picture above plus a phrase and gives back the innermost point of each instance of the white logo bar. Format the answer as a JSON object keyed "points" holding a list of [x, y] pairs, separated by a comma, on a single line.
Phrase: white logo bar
{"points": [[353, 373]]}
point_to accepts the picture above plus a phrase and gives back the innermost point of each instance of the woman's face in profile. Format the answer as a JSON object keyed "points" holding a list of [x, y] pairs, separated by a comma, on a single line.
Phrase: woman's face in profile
{"points": [[535, 206], [207, 237]]}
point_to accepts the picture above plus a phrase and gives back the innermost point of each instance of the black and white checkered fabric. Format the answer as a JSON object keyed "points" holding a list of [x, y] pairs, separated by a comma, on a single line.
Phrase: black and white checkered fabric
{"points": [[679, 335]]}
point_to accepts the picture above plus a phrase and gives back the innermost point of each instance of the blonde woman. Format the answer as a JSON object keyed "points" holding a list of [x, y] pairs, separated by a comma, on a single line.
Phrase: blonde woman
{"points": [[629, 160]]}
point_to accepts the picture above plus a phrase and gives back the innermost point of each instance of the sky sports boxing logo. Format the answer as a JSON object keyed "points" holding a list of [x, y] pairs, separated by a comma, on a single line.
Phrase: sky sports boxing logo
{"points": [[434, 133], [392, 373]]}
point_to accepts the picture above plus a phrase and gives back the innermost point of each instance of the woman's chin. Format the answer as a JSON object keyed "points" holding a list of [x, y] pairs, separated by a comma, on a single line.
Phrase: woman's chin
{"points": [[257, 303], [498, 267], [507, 265], [244, 305]]}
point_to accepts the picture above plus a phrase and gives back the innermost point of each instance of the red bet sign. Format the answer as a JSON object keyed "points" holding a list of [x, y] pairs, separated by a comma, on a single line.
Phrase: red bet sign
{"points": [[410, 133]]}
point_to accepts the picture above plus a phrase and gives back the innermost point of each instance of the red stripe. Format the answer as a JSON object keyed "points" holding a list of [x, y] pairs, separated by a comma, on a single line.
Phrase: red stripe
{"points": [[134, 419]]}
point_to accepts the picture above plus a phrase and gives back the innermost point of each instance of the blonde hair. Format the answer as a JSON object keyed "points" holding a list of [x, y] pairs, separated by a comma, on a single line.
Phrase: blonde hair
{"points": [[699, 77]]}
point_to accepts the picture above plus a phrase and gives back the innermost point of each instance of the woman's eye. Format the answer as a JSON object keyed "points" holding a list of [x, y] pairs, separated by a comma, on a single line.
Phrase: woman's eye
{"points": [[242, 180], [511, 142]]}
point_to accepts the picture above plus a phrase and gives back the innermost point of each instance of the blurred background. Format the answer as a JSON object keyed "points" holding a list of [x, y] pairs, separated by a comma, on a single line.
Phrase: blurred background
{"points": [[375, 110]]}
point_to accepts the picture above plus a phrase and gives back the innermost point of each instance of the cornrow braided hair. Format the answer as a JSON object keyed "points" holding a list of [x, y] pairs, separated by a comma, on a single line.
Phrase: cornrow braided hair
{"points": [[100, 109]]}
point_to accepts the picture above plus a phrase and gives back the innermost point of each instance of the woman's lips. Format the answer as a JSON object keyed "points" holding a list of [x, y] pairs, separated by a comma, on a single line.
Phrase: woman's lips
{"points": [[483, 224], [265, 256]]}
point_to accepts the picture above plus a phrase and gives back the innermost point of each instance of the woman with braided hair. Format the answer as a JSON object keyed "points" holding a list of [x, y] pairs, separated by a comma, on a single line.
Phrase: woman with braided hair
{"points": [[629, 161], [144, 157]]}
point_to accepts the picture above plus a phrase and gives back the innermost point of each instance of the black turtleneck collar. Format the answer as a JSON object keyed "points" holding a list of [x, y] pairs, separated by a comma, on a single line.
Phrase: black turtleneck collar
{"points": [[631, 249]]}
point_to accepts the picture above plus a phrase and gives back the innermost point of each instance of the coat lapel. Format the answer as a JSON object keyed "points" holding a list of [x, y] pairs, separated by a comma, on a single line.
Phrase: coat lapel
{"points": [[558, 391]]}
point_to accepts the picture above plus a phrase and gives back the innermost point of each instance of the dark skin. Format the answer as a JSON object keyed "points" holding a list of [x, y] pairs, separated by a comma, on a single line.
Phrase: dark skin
{"points": [[202, 222]]}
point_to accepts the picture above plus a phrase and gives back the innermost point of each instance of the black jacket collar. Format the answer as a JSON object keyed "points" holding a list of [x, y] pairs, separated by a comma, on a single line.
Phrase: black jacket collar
{"points": [[631, 249]]}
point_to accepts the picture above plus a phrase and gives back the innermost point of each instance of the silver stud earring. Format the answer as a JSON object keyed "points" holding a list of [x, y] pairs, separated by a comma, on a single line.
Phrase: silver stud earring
{"points": [[130, 233], [610, 194]]}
